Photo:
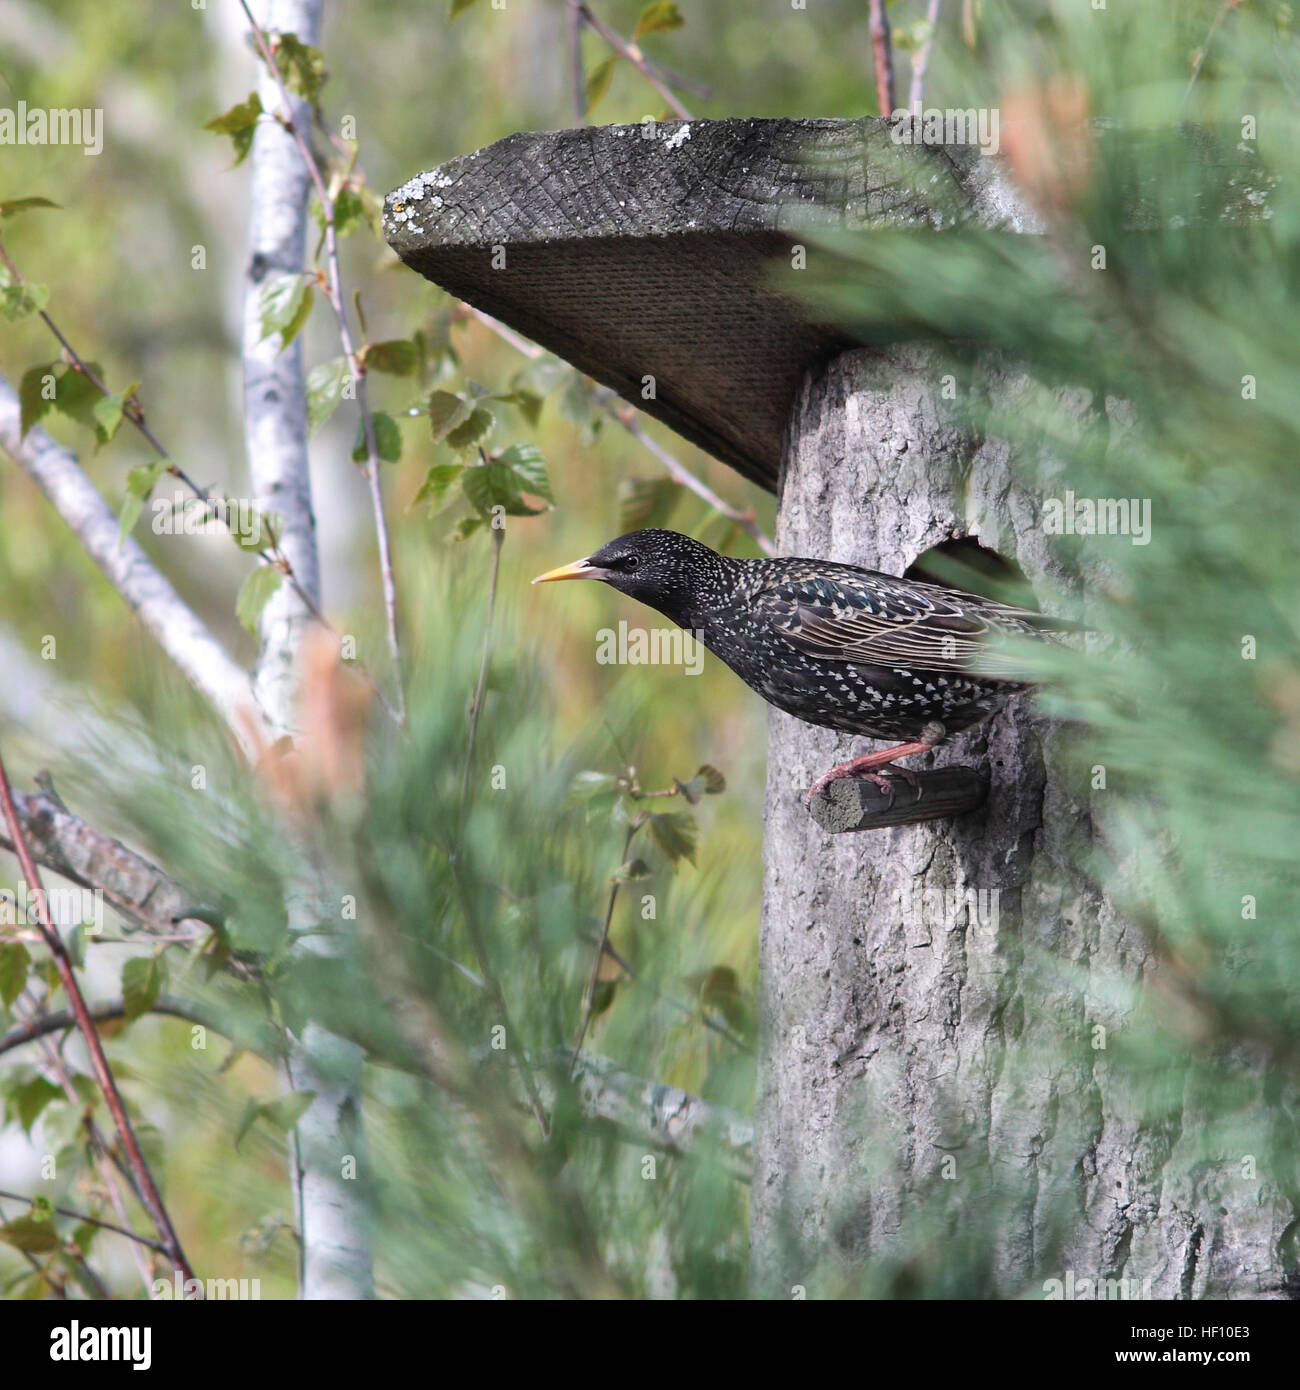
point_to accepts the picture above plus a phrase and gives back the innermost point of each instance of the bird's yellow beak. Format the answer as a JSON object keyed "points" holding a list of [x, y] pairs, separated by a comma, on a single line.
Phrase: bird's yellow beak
{"points": [[579, 569]]}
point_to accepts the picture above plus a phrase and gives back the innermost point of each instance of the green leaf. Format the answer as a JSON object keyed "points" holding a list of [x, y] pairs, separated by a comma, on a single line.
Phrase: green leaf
{"points": [[436, 483], [397, 357], [708, 781], [283, 306], [20, 301], [388, 439], [540, 376], [714, 782], [283, 1113], [473, 430], [646, 502], [530, 405], [142, 479], [31, 393], [674, 832], [14, 961], [75, 396], [143, 979], [240, 123], [446, 412], [585, 785], [74, 942], [598, 80], [631, 871], [27, 1100], [140, 483], [578, 404], [107, 411], [324, 391], [459, 7], [468, 525], [528, 465], [13, 205], [254, 593], [301, 66], [658, 18], [253, 530], [496, 484], [30, 1234], [352, 207]]}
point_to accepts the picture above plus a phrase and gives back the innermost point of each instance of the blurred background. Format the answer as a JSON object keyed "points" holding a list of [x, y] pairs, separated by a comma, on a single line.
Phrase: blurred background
{"points": [[120, 731]]}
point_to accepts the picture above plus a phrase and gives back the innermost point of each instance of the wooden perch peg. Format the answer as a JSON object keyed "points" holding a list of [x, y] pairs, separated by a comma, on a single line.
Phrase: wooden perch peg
{"points": [[853, 803]]}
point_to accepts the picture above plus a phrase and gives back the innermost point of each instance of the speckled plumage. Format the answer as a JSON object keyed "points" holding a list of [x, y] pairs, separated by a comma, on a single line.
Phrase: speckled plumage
{"points": [[832, 644]]}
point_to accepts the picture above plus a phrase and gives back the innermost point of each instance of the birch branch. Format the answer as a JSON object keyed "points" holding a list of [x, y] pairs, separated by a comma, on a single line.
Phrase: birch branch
{"points": [[295, 125], [921, 63], [176, 628], [336, 1258]]}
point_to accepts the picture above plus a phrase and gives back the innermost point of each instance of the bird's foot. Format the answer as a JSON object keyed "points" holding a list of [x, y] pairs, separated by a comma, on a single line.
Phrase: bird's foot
{"points": [[864, 768]]}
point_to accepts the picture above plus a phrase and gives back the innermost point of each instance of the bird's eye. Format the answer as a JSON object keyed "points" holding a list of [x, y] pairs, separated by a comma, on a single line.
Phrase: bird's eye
{"points": [[630, 562]]}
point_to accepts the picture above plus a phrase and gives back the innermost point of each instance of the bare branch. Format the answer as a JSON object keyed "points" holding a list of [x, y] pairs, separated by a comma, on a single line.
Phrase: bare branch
{"points": [[884, 59], [98, 1061], [75, 850], [626, 49], [665, 1116], [87, 1219], [620, 410], [921, 62]]}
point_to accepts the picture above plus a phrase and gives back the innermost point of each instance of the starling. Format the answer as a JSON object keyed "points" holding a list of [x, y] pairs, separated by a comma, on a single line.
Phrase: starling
{"points": [[836, 645]]}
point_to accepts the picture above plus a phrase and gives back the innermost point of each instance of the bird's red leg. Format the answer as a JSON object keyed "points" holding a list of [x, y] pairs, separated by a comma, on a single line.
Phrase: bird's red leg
{"points": [[863, 767]]}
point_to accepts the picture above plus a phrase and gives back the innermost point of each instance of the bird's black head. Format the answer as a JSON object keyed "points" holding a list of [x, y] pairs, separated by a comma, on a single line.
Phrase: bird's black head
{"points": [[681, 578]]}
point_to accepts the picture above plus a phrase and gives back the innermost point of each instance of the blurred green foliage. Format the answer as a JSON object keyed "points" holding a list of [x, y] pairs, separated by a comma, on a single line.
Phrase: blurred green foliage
{"points": [[1202, 746]]}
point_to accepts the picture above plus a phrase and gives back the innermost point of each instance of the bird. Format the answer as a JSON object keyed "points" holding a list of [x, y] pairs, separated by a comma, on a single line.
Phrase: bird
{"points": [[834, 644]]}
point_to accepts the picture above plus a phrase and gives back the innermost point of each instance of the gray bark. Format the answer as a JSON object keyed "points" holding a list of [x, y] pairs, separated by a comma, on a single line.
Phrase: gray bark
{"points": [[931, 1091]]}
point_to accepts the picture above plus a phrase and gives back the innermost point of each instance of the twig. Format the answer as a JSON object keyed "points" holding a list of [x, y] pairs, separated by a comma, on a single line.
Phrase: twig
{"points": [[498, 538], [623, 413], [167, 1005], [589, 997], [921, 62], [681, 1005], [334, 293], [173, 624], [573, 32], [99, 1062], [109, 1162], [92, 1221], [134, 412], [620, 410], [1204, 52], [626, 49], [883, 54]]}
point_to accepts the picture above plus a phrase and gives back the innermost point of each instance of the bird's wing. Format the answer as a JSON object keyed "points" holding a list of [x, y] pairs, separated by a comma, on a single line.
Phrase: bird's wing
{"points": [[891, 622]]}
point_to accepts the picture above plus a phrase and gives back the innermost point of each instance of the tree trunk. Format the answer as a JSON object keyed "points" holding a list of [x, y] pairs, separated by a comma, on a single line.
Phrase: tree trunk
{"points": [[937, 1106]]}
